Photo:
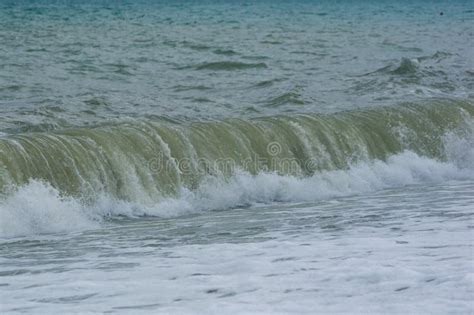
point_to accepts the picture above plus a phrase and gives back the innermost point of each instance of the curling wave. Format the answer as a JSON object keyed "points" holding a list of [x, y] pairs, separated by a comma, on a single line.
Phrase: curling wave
{"points": [[49, 180]]}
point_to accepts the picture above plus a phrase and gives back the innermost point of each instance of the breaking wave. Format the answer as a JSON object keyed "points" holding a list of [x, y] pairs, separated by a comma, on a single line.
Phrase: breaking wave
{"points": [[62, 181]]}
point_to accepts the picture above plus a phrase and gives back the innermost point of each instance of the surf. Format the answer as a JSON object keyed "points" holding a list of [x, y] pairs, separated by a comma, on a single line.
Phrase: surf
{"points": [[148, 160], [50, 180]]}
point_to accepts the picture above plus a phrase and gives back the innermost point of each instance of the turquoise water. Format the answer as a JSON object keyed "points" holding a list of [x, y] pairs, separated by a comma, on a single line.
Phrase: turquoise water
{"points": [[75, 64], [246, 157]]}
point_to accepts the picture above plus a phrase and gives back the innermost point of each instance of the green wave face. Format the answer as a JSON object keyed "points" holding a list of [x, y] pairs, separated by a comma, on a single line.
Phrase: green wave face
{"points": [[149, 160]]}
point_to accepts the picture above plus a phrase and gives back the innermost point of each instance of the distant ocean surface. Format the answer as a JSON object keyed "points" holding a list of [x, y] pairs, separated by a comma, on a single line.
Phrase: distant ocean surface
{"points": [[240, 157]]}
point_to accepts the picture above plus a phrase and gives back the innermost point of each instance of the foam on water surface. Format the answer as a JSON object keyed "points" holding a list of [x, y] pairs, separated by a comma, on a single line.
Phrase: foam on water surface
{"points": [[390, 251], [38, 208]]}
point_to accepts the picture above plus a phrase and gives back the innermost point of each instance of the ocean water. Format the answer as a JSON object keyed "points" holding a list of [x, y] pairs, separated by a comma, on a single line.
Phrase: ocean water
{"points": [[244, 157]]}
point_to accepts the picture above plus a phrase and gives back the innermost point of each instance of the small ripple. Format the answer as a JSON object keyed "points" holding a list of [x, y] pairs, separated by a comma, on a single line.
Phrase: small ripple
{"points": [[225, 52], [68, 299], [285, 98], [229, 66]]}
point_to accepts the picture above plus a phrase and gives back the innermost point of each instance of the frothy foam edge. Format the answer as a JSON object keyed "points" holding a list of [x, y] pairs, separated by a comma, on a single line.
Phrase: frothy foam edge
{"points": [[38, 208]]}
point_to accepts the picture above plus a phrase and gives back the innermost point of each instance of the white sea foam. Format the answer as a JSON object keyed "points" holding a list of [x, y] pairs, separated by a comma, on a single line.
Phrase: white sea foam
{"points": [[39, 208]]}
